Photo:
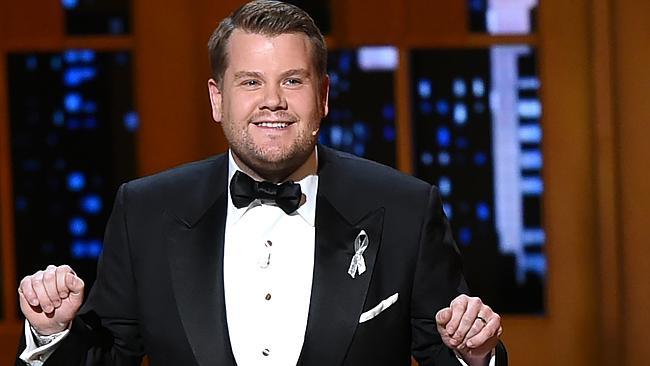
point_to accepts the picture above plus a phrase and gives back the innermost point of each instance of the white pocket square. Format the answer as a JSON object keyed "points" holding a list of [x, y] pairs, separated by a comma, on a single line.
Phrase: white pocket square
{"points": [[383, 305]]}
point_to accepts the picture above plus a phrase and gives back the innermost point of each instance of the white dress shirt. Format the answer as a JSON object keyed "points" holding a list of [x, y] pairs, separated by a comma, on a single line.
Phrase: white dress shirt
{"points": [[39, 348], [268, 270]]}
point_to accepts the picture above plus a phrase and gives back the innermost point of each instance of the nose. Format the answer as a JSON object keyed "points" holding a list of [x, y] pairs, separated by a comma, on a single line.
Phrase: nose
{"points": [[274, 98]]}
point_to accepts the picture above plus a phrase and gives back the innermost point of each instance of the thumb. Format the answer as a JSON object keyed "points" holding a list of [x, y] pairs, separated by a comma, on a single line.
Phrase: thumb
{"points": [[443, 316], [75, 284]]}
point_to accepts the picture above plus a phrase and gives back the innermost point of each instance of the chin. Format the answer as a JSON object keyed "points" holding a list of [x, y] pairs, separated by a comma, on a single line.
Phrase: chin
{"points": [[277, 162], [281, 165], [277, 154]]}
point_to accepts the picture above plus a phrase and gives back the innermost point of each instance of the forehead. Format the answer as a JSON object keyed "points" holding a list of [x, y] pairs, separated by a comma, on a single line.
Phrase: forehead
{"points": [[258, 52]]}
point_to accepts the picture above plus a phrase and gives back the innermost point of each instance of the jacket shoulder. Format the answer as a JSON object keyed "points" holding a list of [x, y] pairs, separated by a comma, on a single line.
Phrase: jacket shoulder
{"points": [[181, 177], [364, 172]]}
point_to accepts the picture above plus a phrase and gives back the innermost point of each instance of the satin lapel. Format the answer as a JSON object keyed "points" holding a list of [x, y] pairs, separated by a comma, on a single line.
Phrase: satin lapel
{"points": [[337, 299], [195, 252]]}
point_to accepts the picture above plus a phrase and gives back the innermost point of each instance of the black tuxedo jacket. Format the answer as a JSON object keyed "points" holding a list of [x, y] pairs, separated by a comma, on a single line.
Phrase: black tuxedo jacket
{"points": [[159, 288]]}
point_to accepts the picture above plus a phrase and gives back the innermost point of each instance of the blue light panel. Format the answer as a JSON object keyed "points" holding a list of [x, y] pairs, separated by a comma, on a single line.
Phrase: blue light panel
{"points": [[491, 156], [64, 161], [361, 116], [96, 17]]}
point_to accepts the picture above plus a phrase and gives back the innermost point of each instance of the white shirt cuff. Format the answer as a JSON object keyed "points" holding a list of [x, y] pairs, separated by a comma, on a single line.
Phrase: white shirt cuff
{"points": [[40, 348], [491, 363]]}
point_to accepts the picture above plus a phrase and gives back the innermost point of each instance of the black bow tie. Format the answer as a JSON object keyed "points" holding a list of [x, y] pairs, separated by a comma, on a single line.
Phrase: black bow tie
{"points": [[244, 190]]}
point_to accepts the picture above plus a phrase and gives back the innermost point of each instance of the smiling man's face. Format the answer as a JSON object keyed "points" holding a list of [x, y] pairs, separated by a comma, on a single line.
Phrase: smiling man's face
{"points": [[270, 102]]}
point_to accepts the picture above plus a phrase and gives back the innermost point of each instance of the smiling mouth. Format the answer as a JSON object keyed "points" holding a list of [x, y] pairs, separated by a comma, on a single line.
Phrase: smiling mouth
{"points": [[278, 125]]}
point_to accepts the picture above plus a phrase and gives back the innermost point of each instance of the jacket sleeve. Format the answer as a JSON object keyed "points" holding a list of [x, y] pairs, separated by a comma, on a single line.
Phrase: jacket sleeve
{"points": [[438, 280], [105, 332]]}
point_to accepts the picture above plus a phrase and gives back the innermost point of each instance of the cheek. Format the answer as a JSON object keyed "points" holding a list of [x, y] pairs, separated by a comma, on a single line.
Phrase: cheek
{"points": [[306, 105], [239, 108]]}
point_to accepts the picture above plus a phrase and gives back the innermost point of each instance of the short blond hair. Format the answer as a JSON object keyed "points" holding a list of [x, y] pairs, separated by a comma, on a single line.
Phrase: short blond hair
{"points": [[270, 18]]}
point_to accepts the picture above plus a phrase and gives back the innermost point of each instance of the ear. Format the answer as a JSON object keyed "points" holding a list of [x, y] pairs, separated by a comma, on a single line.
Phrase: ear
{"points": [[324, 95], [216, 98]]}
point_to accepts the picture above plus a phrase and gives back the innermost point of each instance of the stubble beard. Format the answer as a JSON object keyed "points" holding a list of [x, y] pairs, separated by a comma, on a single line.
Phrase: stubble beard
{"points": [[274, 164]]}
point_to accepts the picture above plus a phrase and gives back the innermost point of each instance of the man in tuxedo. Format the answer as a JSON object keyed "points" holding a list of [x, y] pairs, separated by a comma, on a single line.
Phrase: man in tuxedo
{"points": [[279, 252]]}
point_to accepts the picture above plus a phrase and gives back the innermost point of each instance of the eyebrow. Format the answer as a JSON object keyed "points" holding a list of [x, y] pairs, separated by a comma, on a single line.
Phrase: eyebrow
{"points": [[258, 75], [300, 72], [247, 74]]}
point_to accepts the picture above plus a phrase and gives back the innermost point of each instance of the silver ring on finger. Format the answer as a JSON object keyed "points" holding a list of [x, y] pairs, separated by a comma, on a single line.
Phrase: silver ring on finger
{"points": [[482, 320]]}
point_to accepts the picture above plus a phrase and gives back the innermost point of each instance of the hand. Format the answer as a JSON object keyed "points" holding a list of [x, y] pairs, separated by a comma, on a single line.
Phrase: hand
{"points": [[50, 299], [462, 329]]}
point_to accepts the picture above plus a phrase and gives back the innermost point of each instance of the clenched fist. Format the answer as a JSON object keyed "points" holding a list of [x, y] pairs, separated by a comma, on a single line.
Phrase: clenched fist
{"points": [[470, 328], [50, 299]]}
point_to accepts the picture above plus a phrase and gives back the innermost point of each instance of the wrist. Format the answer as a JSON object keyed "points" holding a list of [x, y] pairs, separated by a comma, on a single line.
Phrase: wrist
{"points": [[474, 360], [50, 330]]}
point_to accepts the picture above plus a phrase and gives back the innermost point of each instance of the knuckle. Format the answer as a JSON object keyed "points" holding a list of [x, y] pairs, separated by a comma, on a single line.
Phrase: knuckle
{"points": [[460, 301], [488, 308], [48, 276], [38, 276], [25, 281], [64, 269]]}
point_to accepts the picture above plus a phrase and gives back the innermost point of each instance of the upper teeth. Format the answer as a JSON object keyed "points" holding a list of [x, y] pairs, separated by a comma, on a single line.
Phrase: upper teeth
{"points": [[273, 124]]}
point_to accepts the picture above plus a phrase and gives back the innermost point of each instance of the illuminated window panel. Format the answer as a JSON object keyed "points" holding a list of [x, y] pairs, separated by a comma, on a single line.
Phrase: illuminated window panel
{"points": [[94, 17], [477, 136], [72, 132], [361, 116], [502, 16]]}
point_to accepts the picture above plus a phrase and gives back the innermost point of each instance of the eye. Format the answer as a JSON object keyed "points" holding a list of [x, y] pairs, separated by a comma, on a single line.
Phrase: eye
{"points": [[293, 82], [250, 83]]}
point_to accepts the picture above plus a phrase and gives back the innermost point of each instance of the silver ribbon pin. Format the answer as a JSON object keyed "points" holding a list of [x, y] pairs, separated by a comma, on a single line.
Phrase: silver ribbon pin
{"points": [[358, 264]]}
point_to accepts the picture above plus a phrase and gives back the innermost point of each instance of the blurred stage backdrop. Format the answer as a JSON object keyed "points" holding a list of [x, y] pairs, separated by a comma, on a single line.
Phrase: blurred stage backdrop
{"points": [[473, 129], [530, 115]]}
